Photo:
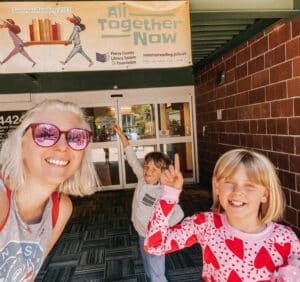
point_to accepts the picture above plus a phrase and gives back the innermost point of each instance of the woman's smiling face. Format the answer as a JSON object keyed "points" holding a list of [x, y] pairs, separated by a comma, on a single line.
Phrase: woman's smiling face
{"points": [[51, 165]]}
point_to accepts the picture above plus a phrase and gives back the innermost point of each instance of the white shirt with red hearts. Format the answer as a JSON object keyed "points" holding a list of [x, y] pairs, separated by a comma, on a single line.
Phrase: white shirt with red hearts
{"points": [[228, 254]]}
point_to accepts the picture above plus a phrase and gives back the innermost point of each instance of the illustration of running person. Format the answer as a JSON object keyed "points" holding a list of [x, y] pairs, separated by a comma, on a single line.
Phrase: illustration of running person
{"points": [[13, 31], [75, 38]]}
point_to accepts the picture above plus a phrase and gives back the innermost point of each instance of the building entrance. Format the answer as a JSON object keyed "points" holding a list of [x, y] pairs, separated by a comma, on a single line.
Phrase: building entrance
{"points": [[153, 119]]}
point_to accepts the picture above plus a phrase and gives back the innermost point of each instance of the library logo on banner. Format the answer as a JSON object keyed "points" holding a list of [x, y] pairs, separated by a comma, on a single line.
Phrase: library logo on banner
{"points": [[102, 58]]}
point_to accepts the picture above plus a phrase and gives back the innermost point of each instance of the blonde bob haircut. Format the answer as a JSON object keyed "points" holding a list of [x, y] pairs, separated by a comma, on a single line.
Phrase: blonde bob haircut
{"points": [[83, 182], [260, 171]]}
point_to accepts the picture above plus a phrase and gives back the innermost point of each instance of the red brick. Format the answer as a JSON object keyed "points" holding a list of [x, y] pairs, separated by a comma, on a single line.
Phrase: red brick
{"points": [[290, 215], [298, 182], [221, 92], [260, 79], [255, 111], [276, 91], [240, 71], [231, 88], [243, 56], [295, 163], [294, 126], [281, 72], [293, 48], [295, 200], [258, 126], [244, 84], [241, 99], [231, 114], [230, 76], [296, 27], [257, 141], [230, 127], [296, 67], [247, 140], [280, 160], [267, 142], [282, 126], [230, 102], [264, 110], [277, 126], [271, 126], [259, 47], [230, 63], [288, 180], [257, 96], [283, 144], [282, 108], [256, 64], [297, 107], [294, 87], [243, 126], [279, 35], [220, 104], [275, 56]]}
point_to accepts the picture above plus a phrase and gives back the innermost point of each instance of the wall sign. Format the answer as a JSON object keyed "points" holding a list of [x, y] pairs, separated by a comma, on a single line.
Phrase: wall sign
{"points": [[9, 121], [90, 35]]}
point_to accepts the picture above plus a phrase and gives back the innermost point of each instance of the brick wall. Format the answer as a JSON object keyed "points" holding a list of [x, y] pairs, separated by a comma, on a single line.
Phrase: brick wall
{"points": [[260, 106]]}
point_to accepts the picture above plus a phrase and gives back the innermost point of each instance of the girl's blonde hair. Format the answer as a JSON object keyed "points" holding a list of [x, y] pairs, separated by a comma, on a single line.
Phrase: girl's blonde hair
{"points": [[83, 182], [260, 171]]}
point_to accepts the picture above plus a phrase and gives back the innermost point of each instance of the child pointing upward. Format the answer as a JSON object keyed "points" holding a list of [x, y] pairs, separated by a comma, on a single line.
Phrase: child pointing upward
{"points": [[239, 238], [147, 192]]}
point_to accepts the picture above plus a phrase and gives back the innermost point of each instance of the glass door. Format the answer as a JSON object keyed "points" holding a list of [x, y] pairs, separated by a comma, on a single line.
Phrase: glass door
{"points": [[152, 122], [159, 122]]}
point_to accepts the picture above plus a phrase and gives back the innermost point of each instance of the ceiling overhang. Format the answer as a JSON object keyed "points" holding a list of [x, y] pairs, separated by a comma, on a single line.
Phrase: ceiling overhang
{"points": [[219, 26]]}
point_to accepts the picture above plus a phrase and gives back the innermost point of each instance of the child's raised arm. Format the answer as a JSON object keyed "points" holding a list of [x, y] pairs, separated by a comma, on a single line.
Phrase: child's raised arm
{"points": [[161, 238], [122, 136]]}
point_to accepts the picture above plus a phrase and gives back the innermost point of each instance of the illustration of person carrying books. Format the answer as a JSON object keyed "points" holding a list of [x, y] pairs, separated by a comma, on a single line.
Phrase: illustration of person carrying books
{"points": [[13, 31], [75, 38]]}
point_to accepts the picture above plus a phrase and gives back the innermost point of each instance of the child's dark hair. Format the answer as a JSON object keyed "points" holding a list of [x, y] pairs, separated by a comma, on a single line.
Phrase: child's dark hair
{"points": [[160, 160]]}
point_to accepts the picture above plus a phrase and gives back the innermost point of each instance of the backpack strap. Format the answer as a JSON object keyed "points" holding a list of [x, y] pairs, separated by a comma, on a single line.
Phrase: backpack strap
{"points": [[8, 194], [55, 208]]}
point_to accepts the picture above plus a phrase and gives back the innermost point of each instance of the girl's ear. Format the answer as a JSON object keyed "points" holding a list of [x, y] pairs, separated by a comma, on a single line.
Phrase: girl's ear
{"points": [[264, 198]]}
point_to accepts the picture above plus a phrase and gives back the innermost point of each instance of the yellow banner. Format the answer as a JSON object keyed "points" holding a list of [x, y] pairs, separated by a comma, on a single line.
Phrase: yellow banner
{"points": [[88, 35]]}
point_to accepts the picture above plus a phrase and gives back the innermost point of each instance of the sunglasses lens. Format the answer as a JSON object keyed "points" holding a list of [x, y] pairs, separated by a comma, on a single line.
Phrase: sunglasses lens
{"points": [[78, 138], [45, 135]]}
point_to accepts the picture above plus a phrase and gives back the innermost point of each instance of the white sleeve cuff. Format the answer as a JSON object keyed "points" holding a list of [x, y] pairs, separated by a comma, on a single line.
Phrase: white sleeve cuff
{"points": [[170, 193]]}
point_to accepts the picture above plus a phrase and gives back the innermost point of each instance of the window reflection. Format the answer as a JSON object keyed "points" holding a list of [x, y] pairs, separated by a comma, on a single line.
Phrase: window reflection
{"points": [[106, 164], [101, 120], [185, 155], [138, 121], [174, 119]]}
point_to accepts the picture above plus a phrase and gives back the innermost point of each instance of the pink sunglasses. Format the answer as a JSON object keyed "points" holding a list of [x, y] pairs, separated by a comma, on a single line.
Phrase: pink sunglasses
{"points": [[47, 135]]}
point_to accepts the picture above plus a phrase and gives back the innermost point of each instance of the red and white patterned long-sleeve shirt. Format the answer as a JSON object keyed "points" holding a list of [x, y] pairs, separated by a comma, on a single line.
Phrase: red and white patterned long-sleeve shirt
{"points": [[228, 254]]}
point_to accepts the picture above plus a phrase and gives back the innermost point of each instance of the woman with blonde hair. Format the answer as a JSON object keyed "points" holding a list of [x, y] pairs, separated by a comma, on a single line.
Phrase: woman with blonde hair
{"points": [[45, 159]]}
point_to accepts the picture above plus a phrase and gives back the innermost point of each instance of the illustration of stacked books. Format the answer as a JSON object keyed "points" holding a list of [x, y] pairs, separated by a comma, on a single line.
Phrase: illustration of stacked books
{"points": [[43, 31]]}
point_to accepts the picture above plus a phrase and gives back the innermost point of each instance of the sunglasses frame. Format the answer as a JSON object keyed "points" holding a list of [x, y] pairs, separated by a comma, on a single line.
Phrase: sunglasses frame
{"points": [[33, 127]]}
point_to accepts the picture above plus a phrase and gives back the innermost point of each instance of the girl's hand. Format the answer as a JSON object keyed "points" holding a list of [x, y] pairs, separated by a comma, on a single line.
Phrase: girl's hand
{"points": [[173, 177], [117, 128], [122, 136]]}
